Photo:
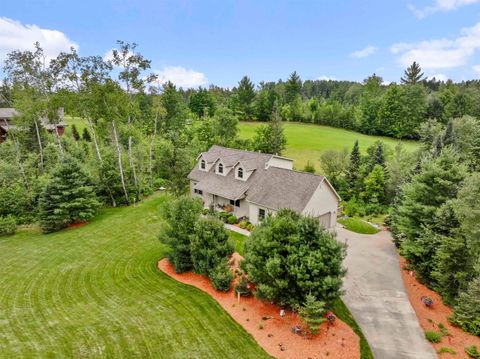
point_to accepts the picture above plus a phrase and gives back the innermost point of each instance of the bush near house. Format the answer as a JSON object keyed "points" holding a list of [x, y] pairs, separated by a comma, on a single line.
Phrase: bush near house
{"points": [[232, 219], [209, 245]]}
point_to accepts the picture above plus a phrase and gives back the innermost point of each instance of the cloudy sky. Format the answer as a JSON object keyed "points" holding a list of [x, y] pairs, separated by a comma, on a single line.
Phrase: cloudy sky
{"points": [[195, 43]]}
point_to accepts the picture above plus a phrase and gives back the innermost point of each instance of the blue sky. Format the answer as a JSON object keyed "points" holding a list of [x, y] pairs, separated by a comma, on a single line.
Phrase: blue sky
{"points": [[202, 42]]}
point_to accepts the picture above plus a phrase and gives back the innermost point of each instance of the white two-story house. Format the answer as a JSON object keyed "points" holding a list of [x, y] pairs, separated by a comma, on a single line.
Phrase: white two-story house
{"points": [[252, 184]]}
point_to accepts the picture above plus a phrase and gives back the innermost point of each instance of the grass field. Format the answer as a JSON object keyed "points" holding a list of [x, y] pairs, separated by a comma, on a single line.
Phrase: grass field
{"points": [[95, 292], [358, 225], [306, 142]]}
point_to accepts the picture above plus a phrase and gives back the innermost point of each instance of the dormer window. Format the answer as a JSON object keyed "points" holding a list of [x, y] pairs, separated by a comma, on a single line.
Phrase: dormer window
{"points": [[202, 164], [220, 168], [240, 172]]}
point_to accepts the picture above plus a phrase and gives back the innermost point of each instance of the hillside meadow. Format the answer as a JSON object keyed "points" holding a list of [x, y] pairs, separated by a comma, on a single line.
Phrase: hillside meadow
{"points": [[306, 142]]}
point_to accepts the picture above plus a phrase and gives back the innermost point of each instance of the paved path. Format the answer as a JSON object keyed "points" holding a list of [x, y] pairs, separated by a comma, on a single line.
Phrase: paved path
{"points": [[236, 229], [377, 299]]}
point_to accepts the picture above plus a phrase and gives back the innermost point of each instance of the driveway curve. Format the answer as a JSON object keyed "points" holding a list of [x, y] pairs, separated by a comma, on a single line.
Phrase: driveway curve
{"points": [[376, 296]]}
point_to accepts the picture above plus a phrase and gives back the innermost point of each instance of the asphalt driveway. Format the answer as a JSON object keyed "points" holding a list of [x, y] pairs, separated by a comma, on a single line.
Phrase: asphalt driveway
{"points": [[377, 299]]}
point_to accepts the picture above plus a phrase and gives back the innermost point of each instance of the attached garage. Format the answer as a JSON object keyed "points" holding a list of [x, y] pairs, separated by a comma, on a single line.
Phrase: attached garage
{"points": [[326, 219]]}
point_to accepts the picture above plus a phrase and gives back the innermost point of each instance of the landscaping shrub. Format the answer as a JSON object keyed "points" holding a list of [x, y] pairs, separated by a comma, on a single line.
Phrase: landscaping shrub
{"points": [[250, 227], [209, 245], [243, 224], [433, 337], [472, 352], [232, 219], [8, 225], [312, 312], [223, 216], [242, 287], [447, 350], [221, 277], [180, 217], [205, 211], [289, 256]]}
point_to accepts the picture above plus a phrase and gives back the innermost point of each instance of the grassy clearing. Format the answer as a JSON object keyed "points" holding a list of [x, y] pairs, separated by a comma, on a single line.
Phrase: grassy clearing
{"points": [[358, 225], [341, 310], [95, 292], [306, 142]]}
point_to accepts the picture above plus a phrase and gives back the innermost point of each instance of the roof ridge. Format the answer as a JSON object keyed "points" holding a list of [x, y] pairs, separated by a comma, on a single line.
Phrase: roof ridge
{"points": [[296, 171]]}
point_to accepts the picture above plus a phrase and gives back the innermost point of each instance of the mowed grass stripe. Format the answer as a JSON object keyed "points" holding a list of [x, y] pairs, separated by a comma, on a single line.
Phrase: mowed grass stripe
{"points": [[95, 292]]}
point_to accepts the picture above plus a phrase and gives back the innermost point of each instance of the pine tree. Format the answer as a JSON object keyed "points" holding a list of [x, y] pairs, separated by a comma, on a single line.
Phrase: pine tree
{"points": [[293, 87], [270, 138], [67, 197], [86, 135], [312, 312], [354, 165], [413, 74], [246, 97], [75, 134], [448, 135], [466, 313]]}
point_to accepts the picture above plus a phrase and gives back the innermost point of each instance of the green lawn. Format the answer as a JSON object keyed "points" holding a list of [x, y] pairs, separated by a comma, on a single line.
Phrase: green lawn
{"points": [[306, 142], [358, 225], [238, 241], [95, 292]]}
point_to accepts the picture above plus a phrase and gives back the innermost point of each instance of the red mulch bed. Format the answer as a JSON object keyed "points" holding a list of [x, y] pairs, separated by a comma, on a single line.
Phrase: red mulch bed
{"points": [[274, 334], [77, 224], [430, 317]]}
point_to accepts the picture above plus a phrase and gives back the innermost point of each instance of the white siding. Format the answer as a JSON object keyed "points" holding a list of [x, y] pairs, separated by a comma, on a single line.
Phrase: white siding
{"points": [[253, 212], [322, 202]]}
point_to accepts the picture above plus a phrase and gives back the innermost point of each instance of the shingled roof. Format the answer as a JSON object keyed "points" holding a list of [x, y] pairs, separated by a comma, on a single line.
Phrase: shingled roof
{"points": [[8, 112], [270, 186]]}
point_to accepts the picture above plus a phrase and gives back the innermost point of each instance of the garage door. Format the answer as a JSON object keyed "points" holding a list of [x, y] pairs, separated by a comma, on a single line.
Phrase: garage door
{"points": [[325, 219]]}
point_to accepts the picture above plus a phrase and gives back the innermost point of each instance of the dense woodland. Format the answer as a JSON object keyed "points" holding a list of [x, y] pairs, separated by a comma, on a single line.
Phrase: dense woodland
{"points": [[140, 135]]}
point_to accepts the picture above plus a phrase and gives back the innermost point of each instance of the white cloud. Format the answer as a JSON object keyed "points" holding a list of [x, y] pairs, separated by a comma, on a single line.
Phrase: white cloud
{"points": [[16, 36], [441, 53], [440, 5], [367, 51], [326, 78], [476, 69], [439, 77], [181, 76]]}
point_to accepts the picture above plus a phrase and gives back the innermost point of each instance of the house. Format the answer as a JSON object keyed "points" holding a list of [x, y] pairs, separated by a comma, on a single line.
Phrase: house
{"points": [[252, 184], [7, 122]]}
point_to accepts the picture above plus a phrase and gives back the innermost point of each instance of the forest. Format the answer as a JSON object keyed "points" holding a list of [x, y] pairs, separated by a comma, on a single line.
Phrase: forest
{"points": [[139, 134]]}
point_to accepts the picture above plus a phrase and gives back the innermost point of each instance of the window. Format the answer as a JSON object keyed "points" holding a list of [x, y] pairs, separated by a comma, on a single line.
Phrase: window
{"points": [[235, 203], [261, 214], [220, 168], [240, 173], [202, 164], [198, 191]]}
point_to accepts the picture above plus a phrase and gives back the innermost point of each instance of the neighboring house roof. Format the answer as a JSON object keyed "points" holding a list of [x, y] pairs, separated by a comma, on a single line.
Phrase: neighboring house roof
{"points": [[272, 187], [8, 113]]}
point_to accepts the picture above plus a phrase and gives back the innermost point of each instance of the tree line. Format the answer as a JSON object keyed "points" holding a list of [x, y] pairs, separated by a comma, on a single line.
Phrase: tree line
{"points": [[134, 135]]}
